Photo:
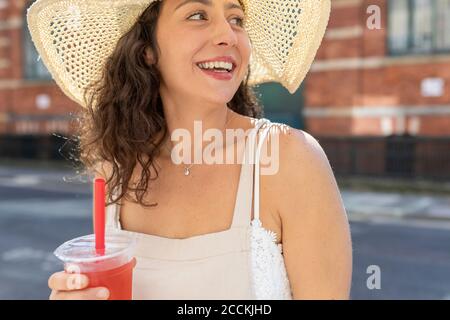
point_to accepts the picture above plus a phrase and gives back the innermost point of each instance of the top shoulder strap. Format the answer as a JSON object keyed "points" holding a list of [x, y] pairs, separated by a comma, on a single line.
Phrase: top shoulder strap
{"points": [[264, 134], [244, 196]]}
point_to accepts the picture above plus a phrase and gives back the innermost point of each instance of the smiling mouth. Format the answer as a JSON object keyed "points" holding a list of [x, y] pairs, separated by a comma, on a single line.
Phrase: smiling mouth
{"points": [[217, 70], [218, 74]]}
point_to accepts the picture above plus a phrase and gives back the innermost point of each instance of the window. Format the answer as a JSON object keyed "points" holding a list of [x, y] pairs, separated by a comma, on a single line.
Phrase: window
{"points": [[34, 68], [398, 25], [442, 39], [419, 26]]}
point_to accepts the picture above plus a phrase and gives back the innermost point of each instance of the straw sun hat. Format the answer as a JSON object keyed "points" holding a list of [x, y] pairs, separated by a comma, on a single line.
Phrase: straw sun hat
{"points": [[74, 38]]}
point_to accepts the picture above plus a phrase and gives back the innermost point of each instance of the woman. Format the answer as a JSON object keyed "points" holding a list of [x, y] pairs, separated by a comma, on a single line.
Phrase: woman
{"points": [[154, 86]]}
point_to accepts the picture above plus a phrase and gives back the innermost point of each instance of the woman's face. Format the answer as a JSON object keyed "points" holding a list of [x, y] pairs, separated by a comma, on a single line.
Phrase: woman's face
{"points": [[190, 32]]}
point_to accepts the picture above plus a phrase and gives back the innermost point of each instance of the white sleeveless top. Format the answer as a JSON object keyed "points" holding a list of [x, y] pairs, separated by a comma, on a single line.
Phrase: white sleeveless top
{"points": [[241, 263]]}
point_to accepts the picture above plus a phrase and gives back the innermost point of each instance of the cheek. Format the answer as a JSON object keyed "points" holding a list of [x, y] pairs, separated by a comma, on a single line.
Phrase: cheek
{"points": [[245, 52], [183, 53], [174, 61], [245, 48]]}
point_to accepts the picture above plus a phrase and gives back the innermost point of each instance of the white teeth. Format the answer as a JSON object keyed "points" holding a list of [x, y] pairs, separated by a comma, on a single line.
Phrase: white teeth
{"points": [[216, 64]]}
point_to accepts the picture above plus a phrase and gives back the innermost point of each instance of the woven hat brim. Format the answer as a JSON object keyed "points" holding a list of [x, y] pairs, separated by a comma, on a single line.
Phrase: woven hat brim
{"points": [[285, 38], [74, 38], [61, 31]]}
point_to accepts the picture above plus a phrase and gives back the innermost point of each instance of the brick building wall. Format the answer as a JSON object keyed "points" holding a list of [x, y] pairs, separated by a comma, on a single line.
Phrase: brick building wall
{"points": [[27, 106], [356, 88]]}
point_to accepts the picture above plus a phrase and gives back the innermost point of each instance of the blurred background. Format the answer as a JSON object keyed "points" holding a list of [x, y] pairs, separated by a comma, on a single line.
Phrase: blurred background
{"points": [[377, 99]]}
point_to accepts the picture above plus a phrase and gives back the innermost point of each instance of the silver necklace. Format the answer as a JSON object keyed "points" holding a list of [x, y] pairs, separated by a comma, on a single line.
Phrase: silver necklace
{"points": [[187, 169]]}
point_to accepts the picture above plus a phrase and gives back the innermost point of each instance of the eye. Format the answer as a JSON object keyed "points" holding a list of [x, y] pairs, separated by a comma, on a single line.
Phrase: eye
{"points": [[241, 21], [196, 14], [201, 13]]}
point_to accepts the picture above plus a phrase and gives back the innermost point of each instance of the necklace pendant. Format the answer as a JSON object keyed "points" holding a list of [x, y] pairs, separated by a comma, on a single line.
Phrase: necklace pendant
{"points": [[186, 171]]}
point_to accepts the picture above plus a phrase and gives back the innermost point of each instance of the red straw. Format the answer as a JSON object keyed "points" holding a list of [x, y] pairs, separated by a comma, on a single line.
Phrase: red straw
{"points": [[99, 215]]}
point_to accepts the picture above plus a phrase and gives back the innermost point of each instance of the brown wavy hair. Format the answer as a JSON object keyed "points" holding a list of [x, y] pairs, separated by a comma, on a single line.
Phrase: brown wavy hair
{"points": [[124, 113]]}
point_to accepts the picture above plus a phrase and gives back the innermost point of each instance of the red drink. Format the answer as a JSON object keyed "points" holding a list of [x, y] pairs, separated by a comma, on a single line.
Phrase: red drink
{"points": [[112, 269], [118, 281]]}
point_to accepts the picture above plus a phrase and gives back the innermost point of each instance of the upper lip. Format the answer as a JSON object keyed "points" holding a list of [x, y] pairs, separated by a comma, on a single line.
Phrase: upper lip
{"points": [[221, 58]]}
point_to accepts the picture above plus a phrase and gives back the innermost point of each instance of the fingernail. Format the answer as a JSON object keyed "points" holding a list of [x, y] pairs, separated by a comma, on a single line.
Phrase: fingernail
{"points": [[81, 282], [102, 293], [76, 281]]}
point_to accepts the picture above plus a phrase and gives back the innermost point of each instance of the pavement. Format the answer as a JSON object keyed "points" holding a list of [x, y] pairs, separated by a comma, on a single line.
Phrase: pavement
{"points": [[366, 204]]}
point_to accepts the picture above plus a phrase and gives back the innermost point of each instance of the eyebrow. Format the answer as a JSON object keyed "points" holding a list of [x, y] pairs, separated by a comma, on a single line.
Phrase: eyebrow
{"points": [[229, 5]]}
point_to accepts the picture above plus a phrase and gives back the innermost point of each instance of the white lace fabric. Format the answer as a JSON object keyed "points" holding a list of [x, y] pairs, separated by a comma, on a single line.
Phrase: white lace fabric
{"points": [[268, 275]]}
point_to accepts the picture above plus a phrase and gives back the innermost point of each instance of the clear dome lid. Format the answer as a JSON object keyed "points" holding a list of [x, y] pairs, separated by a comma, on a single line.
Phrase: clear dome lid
{"points": [[82, 249]]}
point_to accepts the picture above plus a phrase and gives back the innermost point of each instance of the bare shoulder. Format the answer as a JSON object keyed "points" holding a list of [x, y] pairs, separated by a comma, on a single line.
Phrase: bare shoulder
{"points": [[315, 229], [299, 152], [293, 143], [292, 163], [297, 145], [303, 168]]}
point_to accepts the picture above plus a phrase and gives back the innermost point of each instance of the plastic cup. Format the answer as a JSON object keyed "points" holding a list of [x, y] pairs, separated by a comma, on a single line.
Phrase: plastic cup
{"points": [[112, 269]]}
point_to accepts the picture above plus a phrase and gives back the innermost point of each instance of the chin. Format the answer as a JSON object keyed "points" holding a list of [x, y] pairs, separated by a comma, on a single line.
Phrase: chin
{"points": [[223, 97]]}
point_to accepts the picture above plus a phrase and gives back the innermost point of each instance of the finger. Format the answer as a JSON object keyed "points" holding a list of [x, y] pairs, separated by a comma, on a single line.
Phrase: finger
{"points": [[63, 281], [99, 293]]}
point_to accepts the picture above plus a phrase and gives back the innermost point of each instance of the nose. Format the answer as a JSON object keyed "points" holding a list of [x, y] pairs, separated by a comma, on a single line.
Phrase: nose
{"points": [[224, 33]]}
